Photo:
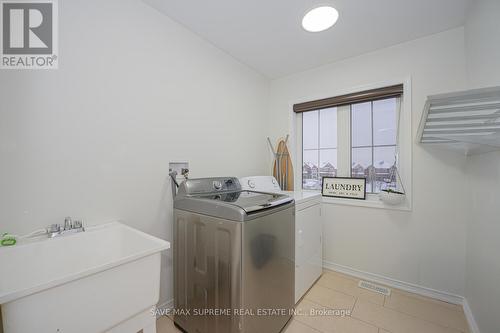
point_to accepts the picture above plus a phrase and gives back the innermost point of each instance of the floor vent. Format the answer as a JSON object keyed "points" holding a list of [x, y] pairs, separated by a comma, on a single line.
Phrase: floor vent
{"points": [[374, 287]]}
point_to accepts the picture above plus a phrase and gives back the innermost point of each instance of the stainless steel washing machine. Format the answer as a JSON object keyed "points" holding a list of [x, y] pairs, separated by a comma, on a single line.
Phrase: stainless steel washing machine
{"points": [[233, 258]]}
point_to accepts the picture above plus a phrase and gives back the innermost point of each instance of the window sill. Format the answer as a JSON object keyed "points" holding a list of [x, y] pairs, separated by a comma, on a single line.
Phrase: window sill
{"points": [[372, 201]]}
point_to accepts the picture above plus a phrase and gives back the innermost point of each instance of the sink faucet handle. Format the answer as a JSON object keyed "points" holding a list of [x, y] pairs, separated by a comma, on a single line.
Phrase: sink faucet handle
{"points": [[54, 228], [68, 224]]}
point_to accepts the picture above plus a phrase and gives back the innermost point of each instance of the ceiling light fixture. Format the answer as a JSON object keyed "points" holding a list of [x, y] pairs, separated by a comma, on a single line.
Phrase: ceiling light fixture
{"points": [[320, 19]]}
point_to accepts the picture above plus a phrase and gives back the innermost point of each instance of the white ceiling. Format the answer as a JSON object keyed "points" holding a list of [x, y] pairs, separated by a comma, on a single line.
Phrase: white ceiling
{"points": [[267, 34]]}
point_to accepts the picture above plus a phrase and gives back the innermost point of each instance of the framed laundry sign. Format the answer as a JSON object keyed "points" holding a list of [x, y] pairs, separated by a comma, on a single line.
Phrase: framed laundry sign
{"points": [[344, 187]]}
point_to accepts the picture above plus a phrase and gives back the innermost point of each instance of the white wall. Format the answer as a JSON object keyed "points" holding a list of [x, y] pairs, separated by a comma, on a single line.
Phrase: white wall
{"points": [[483, 241], [482, 41], [482, 32], [134, 91], [425, 246]]}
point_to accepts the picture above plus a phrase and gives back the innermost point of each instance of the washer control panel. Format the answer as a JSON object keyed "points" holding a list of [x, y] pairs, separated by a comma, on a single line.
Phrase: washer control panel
{"points": [[260, 183], [209, 185]]}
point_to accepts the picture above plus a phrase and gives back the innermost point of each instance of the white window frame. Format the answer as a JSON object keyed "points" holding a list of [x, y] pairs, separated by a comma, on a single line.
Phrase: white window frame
{"points": [[344, 148]]}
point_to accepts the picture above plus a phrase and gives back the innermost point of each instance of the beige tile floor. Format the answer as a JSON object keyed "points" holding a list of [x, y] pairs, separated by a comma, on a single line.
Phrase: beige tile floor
{"points": [[401, 312]]}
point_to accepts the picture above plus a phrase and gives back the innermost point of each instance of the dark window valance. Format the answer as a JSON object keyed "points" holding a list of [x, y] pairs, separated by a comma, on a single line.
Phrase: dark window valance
{"points": [[359, 97]]}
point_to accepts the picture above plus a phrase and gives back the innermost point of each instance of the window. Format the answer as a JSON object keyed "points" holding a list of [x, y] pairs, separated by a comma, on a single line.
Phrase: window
{"points": [[351, 140], [319, 147], [373, 143]]}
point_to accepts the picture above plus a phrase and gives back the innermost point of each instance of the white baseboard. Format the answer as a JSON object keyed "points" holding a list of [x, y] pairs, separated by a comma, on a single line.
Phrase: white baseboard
{"points": [[409, 287], [470, 318], [413, 288], [168, 305]]}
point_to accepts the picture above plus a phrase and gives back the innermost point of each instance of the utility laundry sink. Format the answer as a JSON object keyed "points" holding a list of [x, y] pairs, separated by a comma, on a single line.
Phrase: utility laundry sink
{"points": [[106, 279]]}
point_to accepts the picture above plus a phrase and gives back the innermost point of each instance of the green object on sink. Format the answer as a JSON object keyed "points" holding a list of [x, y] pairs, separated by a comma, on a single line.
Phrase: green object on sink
{"points": [[8, 240]]}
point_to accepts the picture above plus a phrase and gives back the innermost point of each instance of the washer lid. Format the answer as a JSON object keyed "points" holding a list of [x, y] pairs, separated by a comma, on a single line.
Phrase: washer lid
{"points": [[222, 197], [236, 206], [249, 201]]}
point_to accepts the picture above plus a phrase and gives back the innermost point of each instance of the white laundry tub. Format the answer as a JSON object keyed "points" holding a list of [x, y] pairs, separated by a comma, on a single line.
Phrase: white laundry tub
{"points": [[106, 279]]}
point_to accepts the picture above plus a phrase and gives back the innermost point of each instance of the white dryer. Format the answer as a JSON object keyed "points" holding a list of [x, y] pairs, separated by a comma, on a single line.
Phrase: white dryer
{"points": [[308, 230]]}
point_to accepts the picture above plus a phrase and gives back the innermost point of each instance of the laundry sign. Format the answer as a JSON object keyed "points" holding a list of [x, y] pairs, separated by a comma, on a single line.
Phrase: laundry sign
{"points": [[343, 187]]}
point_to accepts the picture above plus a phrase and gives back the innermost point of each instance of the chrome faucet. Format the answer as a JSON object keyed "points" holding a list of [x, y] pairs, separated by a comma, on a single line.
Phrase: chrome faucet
{"points": [[68, 224], [69, 227]]}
